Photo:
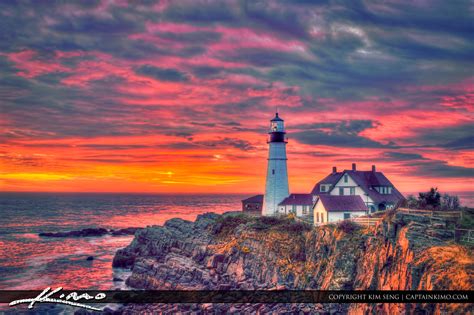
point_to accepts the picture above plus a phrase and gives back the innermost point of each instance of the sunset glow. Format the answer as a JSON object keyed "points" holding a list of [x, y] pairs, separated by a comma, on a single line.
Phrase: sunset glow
{"points": [[177, 96]]}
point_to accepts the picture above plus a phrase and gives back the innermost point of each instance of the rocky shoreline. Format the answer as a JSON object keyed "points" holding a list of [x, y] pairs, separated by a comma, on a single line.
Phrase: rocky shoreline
{"points": [[237, 252]]}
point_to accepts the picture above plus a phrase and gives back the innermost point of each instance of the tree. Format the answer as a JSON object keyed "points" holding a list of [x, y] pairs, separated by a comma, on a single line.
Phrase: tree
{"points": [[411, 202], [449, 202], [430, 199]]}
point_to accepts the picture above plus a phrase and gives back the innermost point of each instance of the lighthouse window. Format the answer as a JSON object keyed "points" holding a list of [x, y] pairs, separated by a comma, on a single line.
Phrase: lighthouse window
{"points": [[273, 172]]}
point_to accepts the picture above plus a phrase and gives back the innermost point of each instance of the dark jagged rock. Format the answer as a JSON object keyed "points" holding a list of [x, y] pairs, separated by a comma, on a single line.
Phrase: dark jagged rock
{"points": [[125, 231], [79, 233], [90, 258], [92, 232], [238, 252]]}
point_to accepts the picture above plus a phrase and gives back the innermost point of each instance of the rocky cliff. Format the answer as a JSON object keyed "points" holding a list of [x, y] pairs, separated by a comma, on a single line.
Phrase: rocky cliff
{"points": [[403, 252]]}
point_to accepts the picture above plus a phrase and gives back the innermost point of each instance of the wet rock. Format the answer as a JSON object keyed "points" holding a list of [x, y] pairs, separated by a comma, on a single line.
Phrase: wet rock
{"points": [[79, 233], [125, 231], [92, 232]]}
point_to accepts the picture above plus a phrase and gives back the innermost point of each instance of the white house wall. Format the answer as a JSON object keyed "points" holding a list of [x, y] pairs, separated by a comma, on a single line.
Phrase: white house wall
{"points": [[339, 216], [319, 208], [331, 216], [299, 210], [347, 190]]}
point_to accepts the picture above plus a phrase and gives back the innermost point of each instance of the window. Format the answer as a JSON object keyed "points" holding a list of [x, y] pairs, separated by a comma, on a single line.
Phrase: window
{"points": [[322, 217], [293, 208], [346, 178], [317, 216], [384, 190], [305, 209], [323, 188], [347, 215], [273, 172], [341, 191], [353, 191]]}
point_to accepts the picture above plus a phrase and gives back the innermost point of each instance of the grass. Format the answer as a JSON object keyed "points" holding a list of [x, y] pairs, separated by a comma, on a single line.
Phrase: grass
{"points": [[467, 220], [227, 225]]}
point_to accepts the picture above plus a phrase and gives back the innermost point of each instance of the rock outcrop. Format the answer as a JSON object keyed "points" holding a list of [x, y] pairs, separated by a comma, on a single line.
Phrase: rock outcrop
{"points": [[237, 252], [91, 232]]}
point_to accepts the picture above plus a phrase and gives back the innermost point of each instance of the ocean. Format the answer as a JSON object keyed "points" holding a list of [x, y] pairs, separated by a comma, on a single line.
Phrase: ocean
{"points": [[28, 261]]}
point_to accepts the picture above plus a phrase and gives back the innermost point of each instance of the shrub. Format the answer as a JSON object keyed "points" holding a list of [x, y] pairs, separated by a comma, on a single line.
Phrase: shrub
{"points": [[347, 226], [245, 249], [270, 220], [265, 223], [296, 226], [227, 224], [432, 200]]}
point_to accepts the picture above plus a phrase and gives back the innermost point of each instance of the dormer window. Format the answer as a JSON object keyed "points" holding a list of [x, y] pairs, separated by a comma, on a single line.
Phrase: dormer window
{"points": [[323, 188], [384, 190], [346, 178]]}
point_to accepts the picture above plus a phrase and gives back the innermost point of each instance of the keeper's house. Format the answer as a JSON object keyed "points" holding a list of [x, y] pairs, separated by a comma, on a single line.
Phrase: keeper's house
{"points": [[372, 187]]}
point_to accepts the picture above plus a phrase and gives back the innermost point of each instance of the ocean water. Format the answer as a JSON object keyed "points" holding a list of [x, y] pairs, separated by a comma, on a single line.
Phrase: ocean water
{"points": [[28, 261]]}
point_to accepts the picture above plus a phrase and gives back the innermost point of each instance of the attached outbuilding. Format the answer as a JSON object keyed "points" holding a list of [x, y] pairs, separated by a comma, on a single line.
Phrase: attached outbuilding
{"points": [[253, 204], [329, 208], [299, 204]]}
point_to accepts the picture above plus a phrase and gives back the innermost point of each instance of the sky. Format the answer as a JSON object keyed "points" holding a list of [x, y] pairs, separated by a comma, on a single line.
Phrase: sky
{"points": [[176, 96]]}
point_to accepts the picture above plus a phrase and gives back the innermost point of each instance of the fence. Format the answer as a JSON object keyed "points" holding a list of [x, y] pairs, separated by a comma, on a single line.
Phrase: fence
{"points": [[367, 221], [464, 235], [432, 214], [364, 221]]}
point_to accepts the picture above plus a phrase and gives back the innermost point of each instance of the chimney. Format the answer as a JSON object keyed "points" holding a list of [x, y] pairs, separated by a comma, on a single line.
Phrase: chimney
{"points": [[373, 168], [354, 167], [334, 170]]}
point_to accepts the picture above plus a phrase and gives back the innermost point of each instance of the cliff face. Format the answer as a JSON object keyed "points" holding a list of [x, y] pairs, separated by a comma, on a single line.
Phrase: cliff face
{"points": [[235, 252]]}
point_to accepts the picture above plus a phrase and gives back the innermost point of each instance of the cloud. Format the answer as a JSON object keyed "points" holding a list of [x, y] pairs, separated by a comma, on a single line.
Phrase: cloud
{"points": [[460, 137], [391, 80], [165, 74], [339, 134]]}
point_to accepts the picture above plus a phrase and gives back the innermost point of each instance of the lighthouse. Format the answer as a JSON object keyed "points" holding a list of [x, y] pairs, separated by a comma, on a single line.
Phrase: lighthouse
{"points": [[276, 187]]}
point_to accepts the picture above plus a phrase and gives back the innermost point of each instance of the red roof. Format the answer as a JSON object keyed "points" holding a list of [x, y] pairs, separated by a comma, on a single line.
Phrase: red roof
{"points": [[332, 179], [342, 203], [366, 180], [297, 199], [254, 199]]}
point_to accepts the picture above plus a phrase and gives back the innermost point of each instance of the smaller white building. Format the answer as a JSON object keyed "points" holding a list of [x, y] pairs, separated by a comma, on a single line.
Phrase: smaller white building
{"points": [[299, 204], [329, 208]]}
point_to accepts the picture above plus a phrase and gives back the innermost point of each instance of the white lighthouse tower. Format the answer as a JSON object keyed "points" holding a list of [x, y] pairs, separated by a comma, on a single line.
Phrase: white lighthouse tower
{"points": [[276, 188]]}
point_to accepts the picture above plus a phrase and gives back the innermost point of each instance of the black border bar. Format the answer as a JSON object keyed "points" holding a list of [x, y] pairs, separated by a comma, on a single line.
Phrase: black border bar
{"points": [[256, 296]]}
